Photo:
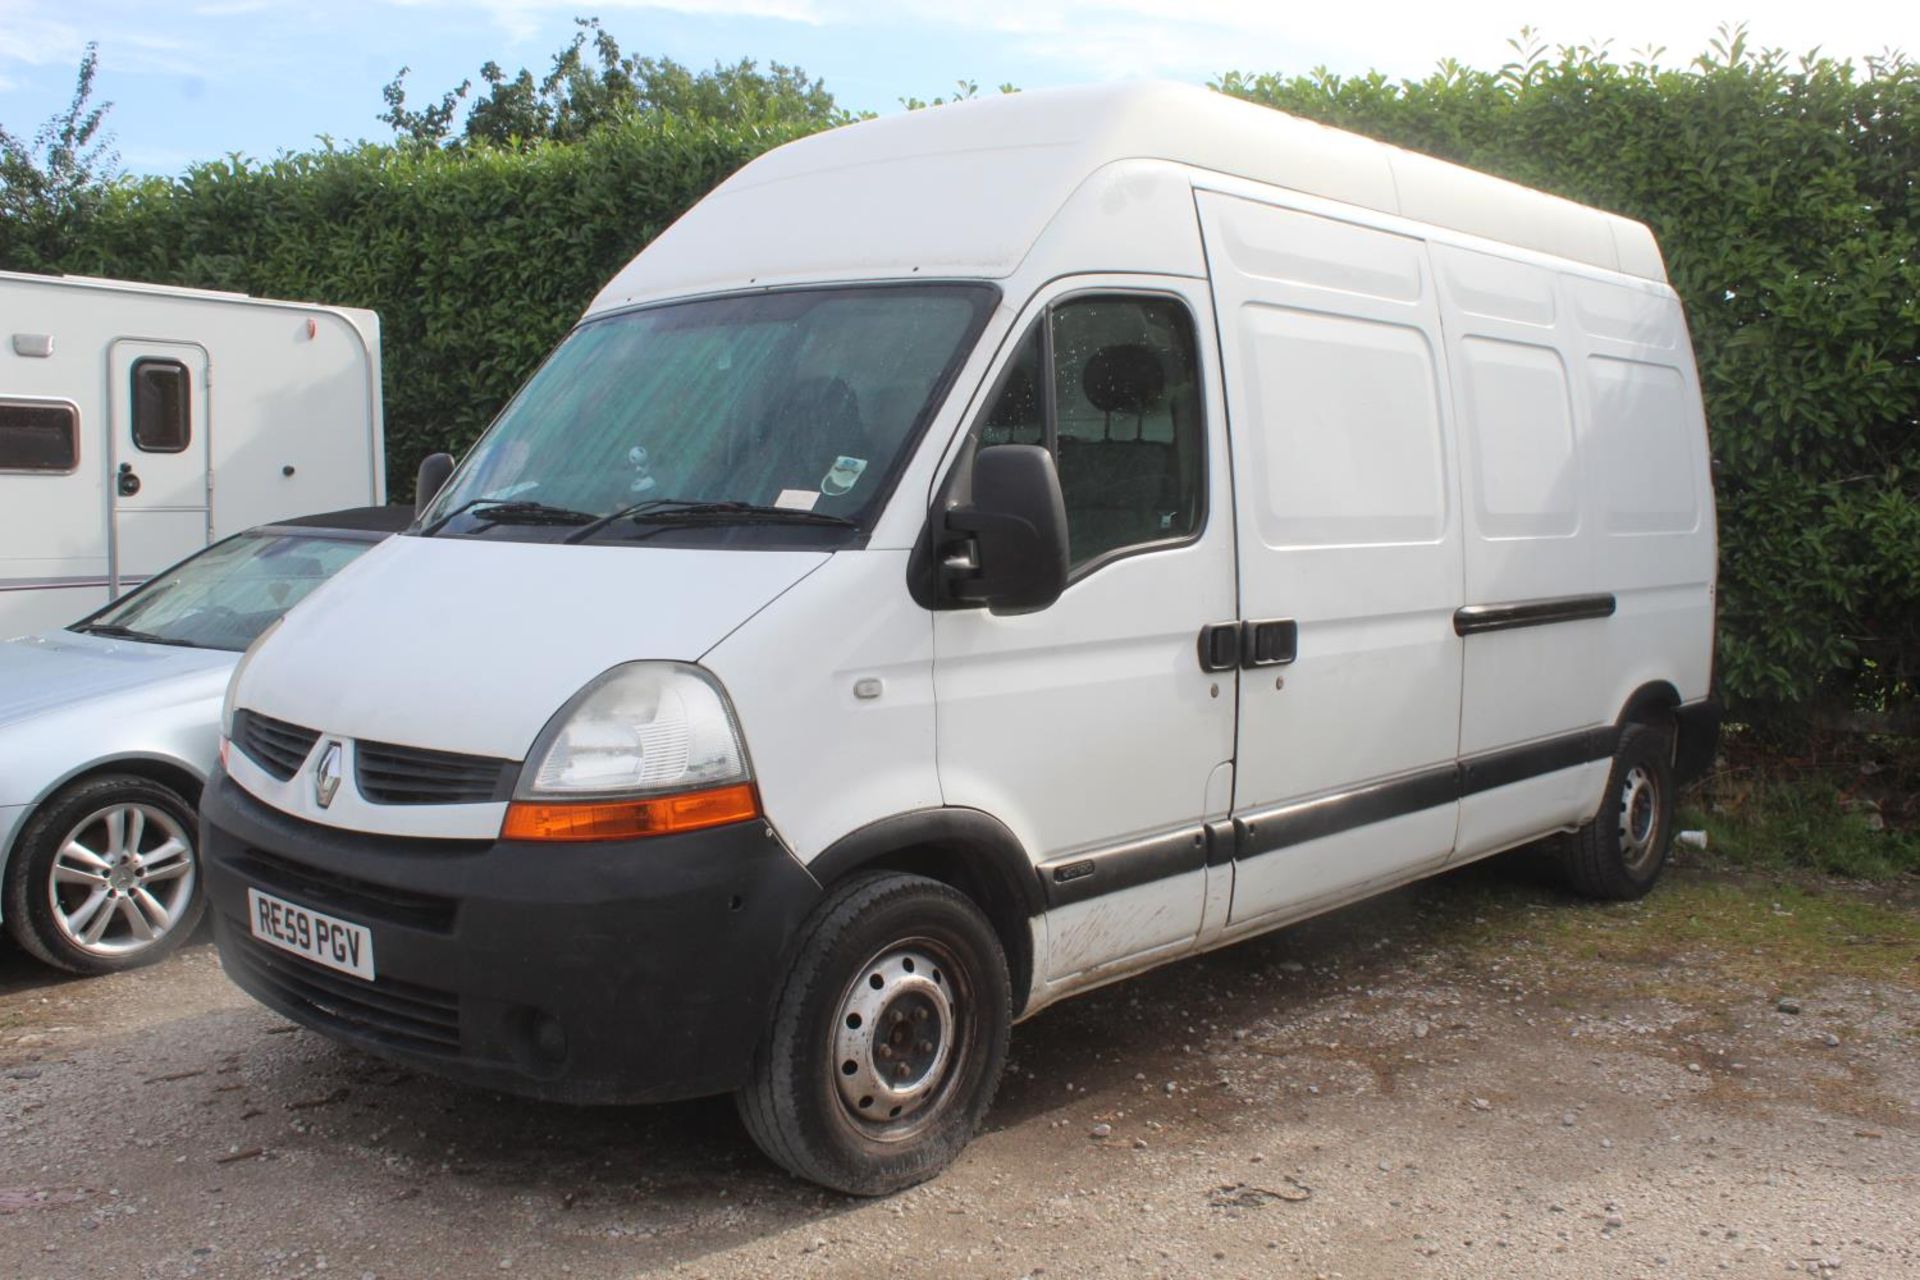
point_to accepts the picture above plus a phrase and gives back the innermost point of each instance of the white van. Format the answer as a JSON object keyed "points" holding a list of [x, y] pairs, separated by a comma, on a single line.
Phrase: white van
{"points": [[140, 424], [969, 558]]}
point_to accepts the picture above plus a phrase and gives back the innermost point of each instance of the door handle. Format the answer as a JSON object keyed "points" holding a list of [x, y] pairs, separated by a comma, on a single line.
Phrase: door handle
{"points": [[128, 483], [1272, 643], [1220, 646]]}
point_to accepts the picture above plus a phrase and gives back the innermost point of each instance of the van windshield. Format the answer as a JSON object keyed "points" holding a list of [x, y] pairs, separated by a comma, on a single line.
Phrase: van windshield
{"points": [[721, 411]]}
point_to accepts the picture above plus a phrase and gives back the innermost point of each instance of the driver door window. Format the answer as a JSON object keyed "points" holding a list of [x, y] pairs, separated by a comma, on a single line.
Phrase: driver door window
{"points": [[1120, 410]]}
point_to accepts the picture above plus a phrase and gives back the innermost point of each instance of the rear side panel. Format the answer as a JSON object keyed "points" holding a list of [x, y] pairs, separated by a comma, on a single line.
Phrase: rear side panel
{"points": [[1585, 492]]}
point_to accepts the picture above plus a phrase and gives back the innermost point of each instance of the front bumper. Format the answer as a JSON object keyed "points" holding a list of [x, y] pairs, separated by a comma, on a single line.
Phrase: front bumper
{"points": [[636, 971]]}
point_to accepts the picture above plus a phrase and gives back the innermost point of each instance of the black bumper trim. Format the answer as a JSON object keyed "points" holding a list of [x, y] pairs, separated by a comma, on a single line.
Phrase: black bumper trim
{"points": [[1698, 738], [637, 971]]}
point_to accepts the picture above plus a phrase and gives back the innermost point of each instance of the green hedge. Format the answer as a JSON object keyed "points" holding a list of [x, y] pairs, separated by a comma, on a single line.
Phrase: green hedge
{"points": [[478, 261], [1782, 193]]}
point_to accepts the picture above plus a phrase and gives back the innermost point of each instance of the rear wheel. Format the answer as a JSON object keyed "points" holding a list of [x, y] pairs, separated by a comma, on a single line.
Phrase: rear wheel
{"points": [[887, 1039], [105, 876], [1621, 852]]}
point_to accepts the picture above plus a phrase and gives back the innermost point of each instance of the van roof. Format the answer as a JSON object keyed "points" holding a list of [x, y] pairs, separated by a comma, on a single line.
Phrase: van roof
{"points": [[870, 196]]}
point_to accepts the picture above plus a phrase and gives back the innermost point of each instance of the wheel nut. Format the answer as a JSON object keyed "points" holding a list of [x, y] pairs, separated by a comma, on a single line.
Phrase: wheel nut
{"points": [[884, 1052], [900, 1072], [920, 1014], [925, 1046]]}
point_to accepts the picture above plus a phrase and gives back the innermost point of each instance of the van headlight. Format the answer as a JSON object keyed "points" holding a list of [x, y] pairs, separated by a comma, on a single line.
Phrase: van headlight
{"points": [[649, 748]]}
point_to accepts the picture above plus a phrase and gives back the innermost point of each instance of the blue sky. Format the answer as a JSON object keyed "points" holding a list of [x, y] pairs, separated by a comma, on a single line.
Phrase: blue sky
{"points": [[195, 79]]}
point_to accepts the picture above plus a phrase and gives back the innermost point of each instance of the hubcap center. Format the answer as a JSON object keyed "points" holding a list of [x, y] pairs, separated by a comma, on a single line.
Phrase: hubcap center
{"points": [[894, 1038]]}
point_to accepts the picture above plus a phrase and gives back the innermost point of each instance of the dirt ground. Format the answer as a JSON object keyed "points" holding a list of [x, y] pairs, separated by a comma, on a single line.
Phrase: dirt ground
{"points": [[1473, 1077]]}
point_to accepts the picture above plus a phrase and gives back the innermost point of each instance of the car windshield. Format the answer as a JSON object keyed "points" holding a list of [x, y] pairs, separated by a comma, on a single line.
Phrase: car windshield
{"points": [[800, 401], [228, 594]]}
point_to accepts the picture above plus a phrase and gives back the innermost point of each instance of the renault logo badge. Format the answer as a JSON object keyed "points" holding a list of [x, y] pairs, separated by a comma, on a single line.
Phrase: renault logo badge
{"points": [[326, 775]]}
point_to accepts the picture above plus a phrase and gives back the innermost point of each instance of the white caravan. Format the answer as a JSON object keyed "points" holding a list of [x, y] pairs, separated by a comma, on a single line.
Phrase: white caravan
{"points": [[971, 557], [139, 424]]}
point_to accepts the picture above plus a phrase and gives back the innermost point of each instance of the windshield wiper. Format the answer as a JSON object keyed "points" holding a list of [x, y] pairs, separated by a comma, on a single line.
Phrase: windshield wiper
{"points": [[119, 632], [505, 511], [694, 511]]}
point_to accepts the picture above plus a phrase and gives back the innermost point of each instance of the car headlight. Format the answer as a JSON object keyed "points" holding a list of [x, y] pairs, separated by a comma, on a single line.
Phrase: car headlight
{"points": [[648, 748]]}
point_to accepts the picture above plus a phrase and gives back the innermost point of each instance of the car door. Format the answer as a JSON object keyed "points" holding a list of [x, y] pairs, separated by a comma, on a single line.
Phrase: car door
{"points": [[157, 392], [1349, 546], [1090, 727]]}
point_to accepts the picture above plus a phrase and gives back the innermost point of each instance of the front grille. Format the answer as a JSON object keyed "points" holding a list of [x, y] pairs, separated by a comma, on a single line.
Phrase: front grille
{"points": [[276, 746], [345, 896], [390, 774], [402, 1014]]}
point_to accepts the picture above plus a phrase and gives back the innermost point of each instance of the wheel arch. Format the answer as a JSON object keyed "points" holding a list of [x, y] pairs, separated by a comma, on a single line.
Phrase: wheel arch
{"points": [[968, 849], [1650, 704], [168, 771]]}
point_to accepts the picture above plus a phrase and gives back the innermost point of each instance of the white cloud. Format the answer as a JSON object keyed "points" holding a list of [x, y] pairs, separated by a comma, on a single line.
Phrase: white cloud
{"points": [[1193, 38], [31, 39]]}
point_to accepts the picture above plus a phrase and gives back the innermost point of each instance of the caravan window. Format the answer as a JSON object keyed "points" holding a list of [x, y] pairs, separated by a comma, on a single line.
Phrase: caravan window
{"points": [[39, 435], [162, 406]]}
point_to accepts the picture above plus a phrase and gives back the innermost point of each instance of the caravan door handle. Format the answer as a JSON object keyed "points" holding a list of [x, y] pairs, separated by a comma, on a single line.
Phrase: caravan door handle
{"points": [[128, 483]]}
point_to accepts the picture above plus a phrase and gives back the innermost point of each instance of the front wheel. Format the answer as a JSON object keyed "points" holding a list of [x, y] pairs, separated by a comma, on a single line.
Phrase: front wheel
{"points": [[104, 876], [1621, 852], [887, 1038]]}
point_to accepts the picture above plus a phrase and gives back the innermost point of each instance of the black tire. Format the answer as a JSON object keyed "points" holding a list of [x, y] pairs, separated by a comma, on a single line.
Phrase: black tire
{"points": [[861, 944], [32, 916], [1619, 855]]}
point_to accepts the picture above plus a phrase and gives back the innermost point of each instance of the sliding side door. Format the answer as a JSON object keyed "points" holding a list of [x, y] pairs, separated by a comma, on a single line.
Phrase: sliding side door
{"points": [[1349, 553]]}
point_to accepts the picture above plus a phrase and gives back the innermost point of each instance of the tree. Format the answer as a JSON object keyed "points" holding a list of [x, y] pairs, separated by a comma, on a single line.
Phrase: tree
{"points": [[592, 85], [50, 182]]}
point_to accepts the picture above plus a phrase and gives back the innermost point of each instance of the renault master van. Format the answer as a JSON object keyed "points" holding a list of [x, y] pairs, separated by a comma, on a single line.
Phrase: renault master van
{"points": [[969, 558]]}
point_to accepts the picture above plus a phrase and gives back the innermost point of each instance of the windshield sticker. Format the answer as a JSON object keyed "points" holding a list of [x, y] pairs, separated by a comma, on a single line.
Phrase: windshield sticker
{"points": [[845, 474], [796, 499]]}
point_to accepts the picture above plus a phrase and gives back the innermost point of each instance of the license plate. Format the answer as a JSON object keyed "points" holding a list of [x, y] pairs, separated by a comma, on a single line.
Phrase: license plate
{"points": [[311, 935]]}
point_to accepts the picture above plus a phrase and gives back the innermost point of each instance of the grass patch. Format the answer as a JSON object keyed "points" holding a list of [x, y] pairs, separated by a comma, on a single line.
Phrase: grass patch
{"points": [[1805, 822], [1762, 930]]}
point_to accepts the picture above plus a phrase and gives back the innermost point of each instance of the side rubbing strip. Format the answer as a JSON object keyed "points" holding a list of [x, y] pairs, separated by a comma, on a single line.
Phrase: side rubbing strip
{"points": [[1274, 829], [1330, 815], [1077, 877], [1476, 618]]}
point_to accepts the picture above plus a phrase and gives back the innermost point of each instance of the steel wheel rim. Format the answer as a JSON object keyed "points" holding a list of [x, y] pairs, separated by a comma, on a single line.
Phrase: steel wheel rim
{"points": [[1639, 819], [121, 880], [899, 1039]]}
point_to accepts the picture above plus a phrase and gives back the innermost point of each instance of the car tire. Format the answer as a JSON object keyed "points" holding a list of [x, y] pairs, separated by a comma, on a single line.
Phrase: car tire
{"points": [[105, 876], [1619, 854], [887, 1039]]}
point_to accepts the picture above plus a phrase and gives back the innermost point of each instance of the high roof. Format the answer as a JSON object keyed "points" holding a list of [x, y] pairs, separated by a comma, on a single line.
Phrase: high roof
{"points": [[965, 189]]}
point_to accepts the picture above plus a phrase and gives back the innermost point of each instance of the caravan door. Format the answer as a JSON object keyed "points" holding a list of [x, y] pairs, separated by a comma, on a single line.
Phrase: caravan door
{"points": [[160, 484]]}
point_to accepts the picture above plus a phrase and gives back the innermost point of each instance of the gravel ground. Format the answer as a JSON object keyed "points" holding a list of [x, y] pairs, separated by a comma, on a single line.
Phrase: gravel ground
{"points": [[1472, 1077]]}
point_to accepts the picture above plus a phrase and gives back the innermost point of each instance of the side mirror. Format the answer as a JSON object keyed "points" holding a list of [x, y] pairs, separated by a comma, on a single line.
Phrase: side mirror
{"points": [[427, 482], [1012, 537]]}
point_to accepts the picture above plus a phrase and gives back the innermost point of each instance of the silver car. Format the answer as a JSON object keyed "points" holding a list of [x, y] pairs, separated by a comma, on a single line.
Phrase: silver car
{"points": [[109, 728]]}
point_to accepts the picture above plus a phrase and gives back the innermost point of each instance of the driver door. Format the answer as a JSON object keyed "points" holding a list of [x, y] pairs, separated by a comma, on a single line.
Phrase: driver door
{"points": [[1090, 726]]}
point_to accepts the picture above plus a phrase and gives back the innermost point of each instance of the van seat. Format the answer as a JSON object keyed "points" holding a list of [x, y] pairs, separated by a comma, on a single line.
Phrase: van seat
{"points": [[1117, 492]]}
